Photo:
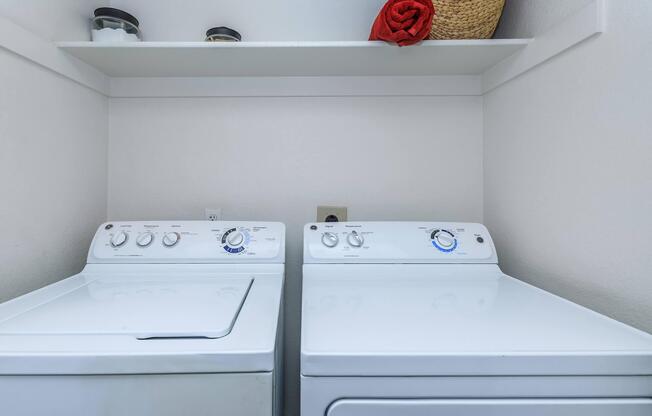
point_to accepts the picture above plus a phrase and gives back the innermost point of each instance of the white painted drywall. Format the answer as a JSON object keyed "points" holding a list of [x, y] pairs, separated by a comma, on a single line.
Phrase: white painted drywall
{"points": [[568, 178], [529, 18], [259, 20], [53, 174], [386, 158], [53, 20]]}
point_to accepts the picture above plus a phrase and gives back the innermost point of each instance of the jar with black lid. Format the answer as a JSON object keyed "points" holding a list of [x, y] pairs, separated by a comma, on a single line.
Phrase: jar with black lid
{"points": [[114, 25], [222, 34]]}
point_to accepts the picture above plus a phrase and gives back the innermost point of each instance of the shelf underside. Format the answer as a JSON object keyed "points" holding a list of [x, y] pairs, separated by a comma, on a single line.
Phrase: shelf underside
{"points": [[279, 59]]}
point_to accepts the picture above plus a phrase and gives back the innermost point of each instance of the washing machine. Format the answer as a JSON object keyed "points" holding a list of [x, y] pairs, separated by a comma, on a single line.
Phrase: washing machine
{"points": [[416, 319], [166, 318]]}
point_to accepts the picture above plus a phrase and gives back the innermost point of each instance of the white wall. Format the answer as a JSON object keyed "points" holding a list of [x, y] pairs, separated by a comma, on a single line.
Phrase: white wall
{"points": [[53, 20], [260, 20], [53, 173], [568, 183], [171, 20], [386, 158], [529, 18]]}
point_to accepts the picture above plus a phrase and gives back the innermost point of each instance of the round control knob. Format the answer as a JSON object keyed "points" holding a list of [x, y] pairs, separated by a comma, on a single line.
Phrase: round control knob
{"points": [[145, 240], [330, 239], [355, 239], [235, 239], [444, 239], [119, 239], [171, 239]]}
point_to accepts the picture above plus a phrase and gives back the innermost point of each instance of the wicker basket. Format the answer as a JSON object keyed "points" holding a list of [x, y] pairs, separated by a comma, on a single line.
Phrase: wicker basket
{"points": [[466, 19]]}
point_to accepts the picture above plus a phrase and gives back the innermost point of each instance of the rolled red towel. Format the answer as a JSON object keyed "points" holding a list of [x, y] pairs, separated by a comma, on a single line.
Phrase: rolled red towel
{"points": [[404, 22]]}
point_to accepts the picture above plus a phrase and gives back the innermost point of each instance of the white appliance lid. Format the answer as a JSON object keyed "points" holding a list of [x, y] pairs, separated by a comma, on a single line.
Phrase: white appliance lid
{"points": [[454, 320], [249, 346], [146, 307]]}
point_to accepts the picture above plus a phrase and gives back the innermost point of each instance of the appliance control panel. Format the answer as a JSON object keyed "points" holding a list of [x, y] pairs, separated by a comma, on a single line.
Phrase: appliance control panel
{"points": [[188, 242], [398, 242]]}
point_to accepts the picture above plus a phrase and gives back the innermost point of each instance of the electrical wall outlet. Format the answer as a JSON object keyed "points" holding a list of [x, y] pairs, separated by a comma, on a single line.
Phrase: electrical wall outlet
{"points": [[213, 214], [331, 214]]}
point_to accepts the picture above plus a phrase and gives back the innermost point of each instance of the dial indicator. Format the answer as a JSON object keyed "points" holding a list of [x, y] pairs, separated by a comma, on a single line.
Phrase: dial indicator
{"points": [[329, 239], [119, 239], [235, 241], [145, 239], [444, 240], [171, 239], [355, 239]]}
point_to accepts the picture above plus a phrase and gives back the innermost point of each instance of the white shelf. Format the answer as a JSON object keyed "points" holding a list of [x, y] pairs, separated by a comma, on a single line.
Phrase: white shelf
{"points": [[289, 59], [198, 69]]}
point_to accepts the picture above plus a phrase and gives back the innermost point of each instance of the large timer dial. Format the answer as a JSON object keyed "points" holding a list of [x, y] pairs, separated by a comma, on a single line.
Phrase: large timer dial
{"points": [[443, 240], [235, 241]]}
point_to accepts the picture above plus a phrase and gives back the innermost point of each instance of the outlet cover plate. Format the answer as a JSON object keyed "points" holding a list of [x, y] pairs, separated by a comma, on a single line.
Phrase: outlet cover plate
{"points": [[213, 214], [324, 212]]}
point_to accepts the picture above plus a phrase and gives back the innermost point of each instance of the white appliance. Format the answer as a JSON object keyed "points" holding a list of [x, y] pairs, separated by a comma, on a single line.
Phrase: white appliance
{"points": [[167, 318], [417, 319]]}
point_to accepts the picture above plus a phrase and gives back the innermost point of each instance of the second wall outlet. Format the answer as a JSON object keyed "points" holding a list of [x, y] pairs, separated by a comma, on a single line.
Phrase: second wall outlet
{"points": [[331, 214], [213, 214]]}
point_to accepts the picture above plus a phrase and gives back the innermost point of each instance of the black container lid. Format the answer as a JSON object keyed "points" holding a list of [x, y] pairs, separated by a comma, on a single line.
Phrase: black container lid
{"points": [[116, 13], [223, 30]]}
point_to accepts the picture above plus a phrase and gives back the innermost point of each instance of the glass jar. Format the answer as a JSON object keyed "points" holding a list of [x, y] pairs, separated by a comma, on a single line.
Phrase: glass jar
{"points": [[222, 34], [114, 25]]}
